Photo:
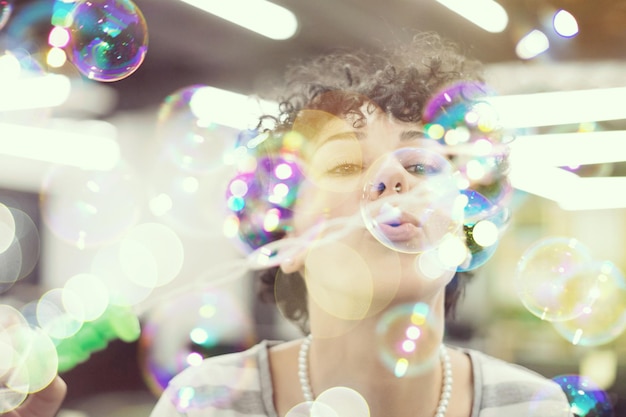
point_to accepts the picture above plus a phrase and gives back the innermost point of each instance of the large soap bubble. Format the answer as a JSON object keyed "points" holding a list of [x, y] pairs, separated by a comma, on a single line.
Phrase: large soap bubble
{"points": [[108, 38]]}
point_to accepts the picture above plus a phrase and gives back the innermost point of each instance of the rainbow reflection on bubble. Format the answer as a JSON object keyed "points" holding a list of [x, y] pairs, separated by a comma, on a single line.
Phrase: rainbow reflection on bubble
{"points": [[605, 319], [260, 196], [406, 339], [483, 225], [186, 329], [585, 397], [108, 38], [550, 279]]}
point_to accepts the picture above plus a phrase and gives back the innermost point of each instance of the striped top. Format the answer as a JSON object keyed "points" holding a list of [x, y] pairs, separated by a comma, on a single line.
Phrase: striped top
{"points": [[240, 385]]}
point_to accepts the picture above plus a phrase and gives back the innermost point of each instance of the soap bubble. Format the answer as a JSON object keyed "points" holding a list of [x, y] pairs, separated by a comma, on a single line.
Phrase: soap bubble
{"points": [[406, 337], [108, 38], [185, 329], [550, 279], [605, 319], [411, 200], [585, 397]]}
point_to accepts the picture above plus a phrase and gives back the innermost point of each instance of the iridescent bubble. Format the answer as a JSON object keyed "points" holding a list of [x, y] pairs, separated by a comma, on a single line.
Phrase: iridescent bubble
{"points": [[411, 200], [108, 38], [90, 208], [550, 279], [260, 197], [605, 318], [483, 224], [187, 139], [585, 397], [183, 330], [6, 9], [407, 339]]}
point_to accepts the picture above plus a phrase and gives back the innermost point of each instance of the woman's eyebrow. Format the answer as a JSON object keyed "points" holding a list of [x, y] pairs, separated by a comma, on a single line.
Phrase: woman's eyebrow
{"points": [[411, 135]]}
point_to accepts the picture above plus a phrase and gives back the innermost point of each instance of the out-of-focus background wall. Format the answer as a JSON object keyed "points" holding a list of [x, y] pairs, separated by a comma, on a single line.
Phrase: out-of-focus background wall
{"points": [[98, 185]]}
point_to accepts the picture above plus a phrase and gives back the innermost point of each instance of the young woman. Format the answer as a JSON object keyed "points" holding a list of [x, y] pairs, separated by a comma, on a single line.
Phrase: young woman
{"points": [[372, 196]]}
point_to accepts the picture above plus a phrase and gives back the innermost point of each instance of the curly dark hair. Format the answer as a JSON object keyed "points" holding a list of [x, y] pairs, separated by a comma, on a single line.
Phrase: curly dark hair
{"points": [[398, 80]]}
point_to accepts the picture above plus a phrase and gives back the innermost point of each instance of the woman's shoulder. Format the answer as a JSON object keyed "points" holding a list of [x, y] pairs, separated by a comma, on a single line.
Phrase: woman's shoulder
{"points": [[504, 386], [232, 382]]}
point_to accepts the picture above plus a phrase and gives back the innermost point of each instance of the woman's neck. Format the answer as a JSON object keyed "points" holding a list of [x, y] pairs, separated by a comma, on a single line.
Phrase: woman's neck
{"points": [[391, 361]]}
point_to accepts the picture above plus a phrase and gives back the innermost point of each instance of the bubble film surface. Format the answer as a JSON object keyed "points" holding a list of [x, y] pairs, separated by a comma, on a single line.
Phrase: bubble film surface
{"points": [[406, 339], [550, 278], [108, 38], [604, 320], [585, 397]]}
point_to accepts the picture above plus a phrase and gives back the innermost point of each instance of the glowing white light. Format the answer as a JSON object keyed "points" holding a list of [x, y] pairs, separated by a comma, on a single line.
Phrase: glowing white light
{"points": [[198, 335], [228, 108], [59, 37], [486, 14], [57, 146], [452, 251], [565, 24], [559, 107], [260, 16], [532, 44], [190, 185], [30, 93], [160, 204], [56, 57], [485, 233]]}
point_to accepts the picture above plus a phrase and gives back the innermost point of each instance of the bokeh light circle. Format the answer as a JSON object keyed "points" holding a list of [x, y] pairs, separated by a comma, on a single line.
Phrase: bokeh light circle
{"points": [[90, 208], [604, 319], [550, 278], [411, 200], [407, 339], [108, 38]]}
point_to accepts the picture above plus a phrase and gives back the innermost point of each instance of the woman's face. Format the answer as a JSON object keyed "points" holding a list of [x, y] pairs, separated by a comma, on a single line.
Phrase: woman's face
{"points": [[363, 204]]}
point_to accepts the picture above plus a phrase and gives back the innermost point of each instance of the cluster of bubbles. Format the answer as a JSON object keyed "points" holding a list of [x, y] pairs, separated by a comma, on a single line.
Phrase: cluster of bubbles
{"points": [[559, 280]]}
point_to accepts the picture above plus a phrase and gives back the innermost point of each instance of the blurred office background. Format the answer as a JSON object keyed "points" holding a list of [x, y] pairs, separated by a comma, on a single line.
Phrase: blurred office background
{"points": [[61, 180]]}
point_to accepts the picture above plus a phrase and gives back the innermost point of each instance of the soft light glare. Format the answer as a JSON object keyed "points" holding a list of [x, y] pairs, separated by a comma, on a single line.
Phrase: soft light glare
{"points": [[85, 151], [59, 37], [559, 107], [565, 24], [486, 14], [532, 44], [260, 16], [227, 108], [50, 90], [56, 57]]}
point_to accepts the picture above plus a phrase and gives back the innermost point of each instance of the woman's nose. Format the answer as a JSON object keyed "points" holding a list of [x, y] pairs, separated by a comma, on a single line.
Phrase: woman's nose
{"points": [[391, 178]]}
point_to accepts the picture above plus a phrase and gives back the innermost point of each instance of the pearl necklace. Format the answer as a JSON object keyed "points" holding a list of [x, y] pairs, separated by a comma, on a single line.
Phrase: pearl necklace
{"points": [[446, 366]]}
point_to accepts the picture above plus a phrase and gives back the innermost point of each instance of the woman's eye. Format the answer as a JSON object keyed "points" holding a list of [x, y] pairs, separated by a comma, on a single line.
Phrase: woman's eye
{"points": [[422, 169], [345, 169]]}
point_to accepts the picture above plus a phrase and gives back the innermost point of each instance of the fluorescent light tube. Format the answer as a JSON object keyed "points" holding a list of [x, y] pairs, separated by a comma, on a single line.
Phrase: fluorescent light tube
{"points": [[49, 90], [559, 107], [486, 14], [260, 16], [570, 149], [86, 151]]}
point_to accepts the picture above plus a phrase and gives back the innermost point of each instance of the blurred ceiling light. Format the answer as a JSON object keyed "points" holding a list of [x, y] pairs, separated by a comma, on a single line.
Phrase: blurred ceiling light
{"points": [[565, 24], [532, 44], [57, 146], [594, 193], [48, 90], [56, 57], [487, 14], [559, 107], [260, 16], [571, 149], [223, 107]]}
